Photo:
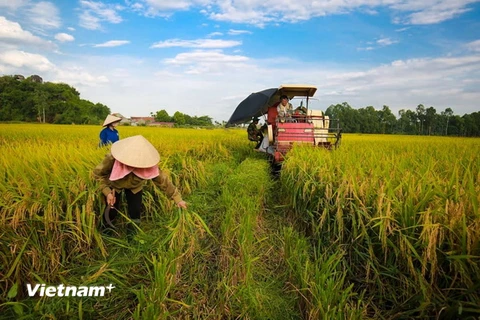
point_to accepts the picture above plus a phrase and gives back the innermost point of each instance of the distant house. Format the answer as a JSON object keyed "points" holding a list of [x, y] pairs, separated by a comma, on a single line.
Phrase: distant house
{"points": [[161, 124], [149, 121], [124, 120], [141, 120]]}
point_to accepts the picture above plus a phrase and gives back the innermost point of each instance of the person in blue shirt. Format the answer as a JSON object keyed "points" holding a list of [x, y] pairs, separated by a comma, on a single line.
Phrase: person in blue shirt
{"points": [[109, 134]]}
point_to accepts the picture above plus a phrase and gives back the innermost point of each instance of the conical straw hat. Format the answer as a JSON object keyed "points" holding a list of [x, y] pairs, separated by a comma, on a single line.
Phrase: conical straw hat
{"points": [[135, 152], [110, 119]]}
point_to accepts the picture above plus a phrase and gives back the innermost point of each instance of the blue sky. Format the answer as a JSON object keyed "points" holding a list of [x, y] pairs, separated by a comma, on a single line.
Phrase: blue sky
{"points": [[202, 57]]}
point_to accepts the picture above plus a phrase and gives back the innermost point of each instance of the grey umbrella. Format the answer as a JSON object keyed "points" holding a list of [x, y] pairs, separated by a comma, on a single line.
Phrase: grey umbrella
{"points": [[254, 105]]}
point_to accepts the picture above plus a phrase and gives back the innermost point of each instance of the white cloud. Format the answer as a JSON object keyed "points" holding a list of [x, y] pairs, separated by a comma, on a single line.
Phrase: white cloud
{"points": [[434, 16], [71, 29], [223, 80], [112, 43], [44, 14], [431, 11], [165, 7], [382, 42], [237, 32], [253, 16], [207, 62], [399, 84], [386, 41], [185, 77], [370, 11], [199, 43], [137, 6], [261, 12], [19, 61], [406, 83], [410, 74], [365, 48], [215, 34], [474, 45], [89, 21], [78, 76], [12, 4], [93, 13], [205, 56], [64, 37], [11, 33]]}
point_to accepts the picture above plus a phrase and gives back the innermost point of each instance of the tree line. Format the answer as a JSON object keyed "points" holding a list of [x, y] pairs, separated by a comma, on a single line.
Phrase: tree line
{"points": [[32, 100], [421, 121], [182, 119]]}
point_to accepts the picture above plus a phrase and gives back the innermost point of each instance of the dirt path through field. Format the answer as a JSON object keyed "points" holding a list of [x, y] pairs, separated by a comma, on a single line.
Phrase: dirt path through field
{"points": [[245, 266]]}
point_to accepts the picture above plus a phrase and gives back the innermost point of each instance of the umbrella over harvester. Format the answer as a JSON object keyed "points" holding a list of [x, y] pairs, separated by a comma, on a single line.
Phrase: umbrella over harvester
{"points": [[252, 106], [299, 126]]}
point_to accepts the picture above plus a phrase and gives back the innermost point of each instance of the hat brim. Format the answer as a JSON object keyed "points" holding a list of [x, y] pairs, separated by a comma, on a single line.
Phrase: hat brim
{"points": [[111, 119], [135, 152]]}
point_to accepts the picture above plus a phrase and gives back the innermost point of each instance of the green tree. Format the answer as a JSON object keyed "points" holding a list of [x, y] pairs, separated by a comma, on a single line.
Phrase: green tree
{"points": [[347, 116], [456, 126], [407, 122], [421, 116], [447, 114], [472, 124], [368, 119], [162, 116], [188, 119], [387, 120], [203, 121], [403, 121], [179, 118], [40, 98], [31, 99], [430, 116]]}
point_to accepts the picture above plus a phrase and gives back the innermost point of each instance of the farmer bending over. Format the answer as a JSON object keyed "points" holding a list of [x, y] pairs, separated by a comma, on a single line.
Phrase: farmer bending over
{"points": [[129, 164], [254, 133]]}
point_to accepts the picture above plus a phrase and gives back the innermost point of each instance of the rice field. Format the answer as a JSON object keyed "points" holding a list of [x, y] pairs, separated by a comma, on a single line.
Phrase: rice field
{"points": [[386, 227]]}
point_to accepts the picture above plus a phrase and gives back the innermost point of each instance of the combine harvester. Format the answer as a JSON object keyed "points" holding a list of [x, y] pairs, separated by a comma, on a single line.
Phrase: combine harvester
{"points": [[303, 126]]}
